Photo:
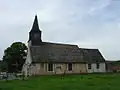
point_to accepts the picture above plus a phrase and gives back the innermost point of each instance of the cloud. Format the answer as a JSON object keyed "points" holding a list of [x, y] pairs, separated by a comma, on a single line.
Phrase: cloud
{"points": [[98, 5]]}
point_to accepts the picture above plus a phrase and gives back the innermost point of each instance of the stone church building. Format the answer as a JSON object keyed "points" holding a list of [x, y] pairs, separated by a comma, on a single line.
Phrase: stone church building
{"points": [[45, 58]]}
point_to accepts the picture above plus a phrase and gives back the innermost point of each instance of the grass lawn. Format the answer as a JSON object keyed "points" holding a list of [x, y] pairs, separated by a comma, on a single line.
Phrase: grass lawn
{"points": [[68, 82]]}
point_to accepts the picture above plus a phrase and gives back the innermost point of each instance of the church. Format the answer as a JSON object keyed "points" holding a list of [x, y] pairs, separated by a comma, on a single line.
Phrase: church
{"points": [[49, 58]]}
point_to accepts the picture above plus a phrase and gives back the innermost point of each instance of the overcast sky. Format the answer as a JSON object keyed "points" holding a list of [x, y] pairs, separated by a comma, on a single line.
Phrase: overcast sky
{"points": [[87, 23]]}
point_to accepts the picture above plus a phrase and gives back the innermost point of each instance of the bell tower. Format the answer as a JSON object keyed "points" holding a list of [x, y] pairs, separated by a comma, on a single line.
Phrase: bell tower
{"points": [[35, 34]]}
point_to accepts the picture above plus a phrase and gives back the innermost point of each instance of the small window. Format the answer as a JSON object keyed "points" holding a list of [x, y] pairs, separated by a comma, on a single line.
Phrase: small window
{"points": [[89, 66], [50, 67], [97, 65], [70, 66]]}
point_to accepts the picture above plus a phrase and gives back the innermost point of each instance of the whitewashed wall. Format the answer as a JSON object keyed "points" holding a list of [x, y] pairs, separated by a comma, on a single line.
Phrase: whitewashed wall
{"points": [[102, 68], [27, 61]]}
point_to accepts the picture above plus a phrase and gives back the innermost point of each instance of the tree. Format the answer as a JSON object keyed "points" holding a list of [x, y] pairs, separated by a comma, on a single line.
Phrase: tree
{"points": [[3, 66], [15, 56]]}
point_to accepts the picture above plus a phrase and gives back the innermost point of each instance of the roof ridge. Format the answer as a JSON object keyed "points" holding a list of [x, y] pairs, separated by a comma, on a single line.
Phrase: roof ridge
{"points": [[61, 43], [90, 48]]}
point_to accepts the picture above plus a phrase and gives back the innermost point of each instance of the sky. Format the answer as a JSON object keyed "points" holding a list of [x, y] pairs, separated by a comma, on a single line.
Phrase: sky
{"points": [[86, 23]]}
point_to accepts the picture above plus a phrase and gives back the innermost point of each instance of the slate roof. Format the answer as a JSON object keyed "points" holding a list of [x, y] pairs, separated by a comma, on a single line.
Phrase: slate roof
{"points": [[55, 52], [92, 55], [64, 53]]}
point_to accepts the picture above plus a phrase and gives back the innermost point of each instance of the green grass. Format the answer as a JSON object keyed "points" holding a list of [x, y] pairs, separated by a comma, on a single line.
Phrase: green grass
{"points": [[68, 82]]}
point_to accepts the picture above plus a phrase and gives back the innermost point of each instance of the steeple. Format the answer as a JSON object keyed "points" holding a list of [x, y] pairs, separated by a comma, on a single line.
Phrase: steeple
{"points": [[35, 26], [35, 33]]}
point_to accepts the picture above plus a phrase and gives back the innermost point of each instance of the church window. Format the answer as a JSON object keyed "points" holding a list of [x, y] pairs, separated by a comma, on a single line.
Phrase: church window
{"points": [[70, 66], [50, 67], [89, 66], [97, 65]]}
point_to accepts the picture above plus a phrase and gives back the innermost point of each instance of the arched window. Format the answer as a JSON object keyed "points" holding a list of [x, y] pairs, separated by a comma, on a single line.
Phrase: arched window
{"points": [[50, 67], [97, 65], [70, 66], [89, 66]]}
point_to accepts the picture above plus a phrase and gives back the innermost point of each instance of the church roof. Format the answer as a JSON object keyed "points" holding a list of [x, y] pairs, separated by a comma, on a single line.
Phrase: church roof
{"points": [[64, 53], [92, 55], [55, 52]]}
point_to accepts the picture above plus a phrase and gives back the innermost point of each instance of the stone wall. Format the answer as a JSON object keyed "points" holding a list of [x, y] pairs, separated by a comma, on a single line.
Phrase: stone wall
{"points": [[58, 68]]}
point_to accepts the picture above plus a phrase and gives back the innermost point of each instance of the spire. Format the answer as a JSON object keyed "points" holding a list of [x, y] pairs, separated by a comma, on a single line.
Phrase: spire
{"points": [[35, 33], [35, 26]]}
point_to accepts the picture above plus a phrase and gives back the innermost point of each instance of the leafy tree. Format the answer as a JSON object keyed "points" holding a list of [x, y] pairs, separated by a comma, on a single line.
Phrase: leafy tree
{"points": [[15, 56], [3, 66]]}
